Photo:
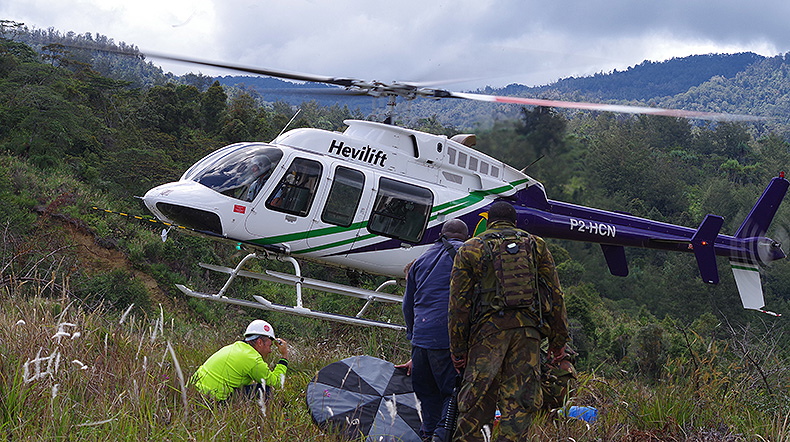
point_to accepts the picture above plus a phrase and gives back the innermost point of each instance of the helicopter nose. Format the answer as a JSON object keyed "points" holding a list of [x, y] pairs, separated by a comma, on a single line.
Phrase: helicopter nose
{"points": [[181, 206], [197, 219]]}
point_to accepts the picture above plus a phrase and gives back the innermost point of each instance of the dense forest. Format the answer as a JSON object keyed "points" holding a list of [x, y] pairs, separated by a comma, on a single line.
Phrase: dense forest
{"points": [[77, 130]]}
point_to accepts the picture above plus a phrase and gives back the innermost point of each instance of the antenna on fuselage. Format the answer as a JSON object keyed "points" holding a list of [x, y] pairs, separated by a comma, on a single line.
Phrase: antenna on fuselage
{"points": [[289, 123], [524, 170]]}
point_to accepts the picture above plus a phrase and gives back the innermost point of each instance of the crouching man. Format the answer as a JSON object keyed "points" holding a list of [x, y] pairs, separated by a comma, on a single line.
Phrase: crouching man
{"points": [[241, 366]]}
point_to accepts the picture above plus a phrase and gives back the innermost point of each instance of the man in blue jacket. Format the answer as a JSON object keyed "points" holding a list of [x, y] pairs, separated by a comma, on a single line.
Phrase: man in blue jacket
{"points": [[425, 312]]}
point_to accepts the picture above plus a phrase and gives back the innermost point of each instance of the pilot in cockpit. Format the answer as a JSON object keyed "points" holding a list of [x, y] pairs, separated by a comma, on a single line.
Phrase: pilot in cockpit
{"points": [[260, 174]]}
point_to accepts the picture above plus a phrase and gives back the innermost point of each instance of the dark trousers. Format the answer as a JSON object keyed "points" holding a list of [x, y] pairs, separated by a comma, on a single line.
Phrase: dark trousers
{"points": [[433, 378]]}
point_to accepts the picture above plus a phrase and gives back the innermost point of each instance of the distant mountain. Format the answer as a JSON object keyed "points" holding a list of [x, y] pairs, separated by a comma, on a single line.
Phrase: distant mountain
{"points": [[744, 83], [650, 79], [273, 89], [267, 83], [762, 89]]}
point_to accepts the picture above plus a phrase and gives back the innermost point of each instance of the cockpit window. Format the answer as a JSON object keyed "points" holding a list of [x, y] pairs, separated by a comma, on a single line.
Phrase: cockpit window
{"points": [[239, 174], [401, 210], [297, 188]]}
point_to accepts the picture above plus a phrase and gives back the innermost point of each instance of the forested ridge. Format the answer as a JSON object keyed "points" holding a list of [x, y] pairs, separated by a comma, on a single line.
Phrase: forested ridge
{"points": [[72, 137], [744, 83]]}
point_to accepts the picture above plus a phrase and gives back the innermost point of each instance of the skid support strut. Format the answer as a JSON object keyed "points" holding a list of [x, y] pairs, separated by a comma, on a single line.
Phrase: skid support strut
{"points": [[298, 281]]}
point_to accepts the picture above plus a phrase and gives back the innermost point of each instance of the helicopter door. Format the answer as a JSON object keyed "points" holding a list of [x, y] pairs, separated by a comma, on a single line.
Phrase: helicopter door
{"points": [[286, 219], [334, 230]]}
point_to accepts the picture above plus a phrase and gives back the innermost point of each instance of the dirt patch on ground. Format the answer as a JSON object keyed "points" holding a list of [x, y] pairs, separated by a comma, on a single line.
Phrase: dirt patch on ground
{"points": [[94, 255], [98, 258]]}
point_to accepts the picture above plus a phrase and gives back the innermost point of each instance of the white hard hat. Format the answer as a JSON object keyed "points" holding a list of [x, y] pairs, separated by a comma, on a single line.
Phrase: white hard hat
{"points": [[259, 327]]}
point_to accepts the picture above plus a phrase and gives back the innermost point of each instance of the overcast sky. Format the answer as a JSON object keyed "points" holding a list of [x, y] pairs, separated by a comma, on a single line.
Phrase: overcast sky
{"points": [[483, 42]]}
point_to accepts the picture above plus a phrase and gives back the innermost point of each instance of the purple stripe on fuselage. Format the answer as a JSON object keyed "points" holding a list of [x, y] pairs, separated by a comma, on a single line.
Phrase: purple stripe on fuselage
{"points": [[431, 235]]}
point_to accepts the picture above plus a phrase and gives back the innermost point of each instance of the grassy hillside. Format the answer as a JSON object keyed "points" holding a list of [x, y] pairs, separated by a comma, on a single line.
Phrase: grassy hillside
{"points": [[663, 356]]}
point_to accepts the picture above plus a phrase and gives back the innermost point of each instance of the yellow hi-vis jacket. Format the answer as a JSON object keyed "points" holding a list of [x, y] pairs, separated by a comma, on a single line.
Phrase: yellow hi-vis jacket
{"points": [[234, 366]]}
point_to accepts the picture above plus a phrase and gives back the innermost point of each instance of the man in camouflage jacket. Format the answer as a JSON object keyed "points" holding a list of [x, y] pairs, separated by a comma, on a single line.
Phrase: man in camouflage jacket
{"points": [[499, 350]]}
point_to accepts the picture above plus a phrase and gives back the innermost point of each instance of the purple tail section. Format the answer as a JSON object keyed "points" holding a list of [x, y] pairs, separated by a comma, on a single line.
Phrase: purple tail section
{"points": [[703, 242], [615, 259], [756, 224]]}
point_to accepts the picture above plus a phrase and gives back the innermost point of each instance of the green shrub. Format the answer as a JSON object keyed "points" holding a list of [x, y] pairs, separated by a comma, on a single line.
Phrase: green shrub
{"points": [[119, 288]]}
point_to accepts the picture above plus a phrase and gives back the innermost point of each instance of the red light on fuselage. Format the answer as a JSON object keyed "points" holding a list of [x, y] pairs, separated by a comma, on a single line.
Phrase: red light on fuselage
{"points": [[781, 174]]}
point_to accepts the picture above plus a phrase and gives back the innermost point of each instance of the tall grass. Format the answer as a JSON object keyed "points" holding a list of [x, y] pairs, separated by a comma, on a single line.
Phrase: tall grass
{"points": [[79, 374], [75, 372], [84, 374]]}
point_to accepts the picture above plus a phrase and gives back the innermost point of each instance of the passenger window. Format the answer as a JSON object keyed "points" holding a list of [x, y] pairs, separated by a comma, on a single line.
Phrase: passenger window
{"points": [[451, 155], [344, 196], [297, 188], [461, 159], [401, 210]]}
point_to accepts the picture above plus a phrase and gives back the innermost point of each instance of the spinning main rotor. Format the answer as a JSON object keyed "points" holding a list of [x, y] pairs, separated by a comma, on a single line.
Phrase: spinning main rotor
{"points": [[410, 91]]}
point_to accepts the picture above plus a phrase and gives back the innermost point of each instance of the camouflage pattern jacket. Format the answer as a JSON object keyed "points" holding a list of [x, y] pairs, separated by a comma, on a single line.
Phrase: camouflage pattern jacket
{"points": [[468, 325]]}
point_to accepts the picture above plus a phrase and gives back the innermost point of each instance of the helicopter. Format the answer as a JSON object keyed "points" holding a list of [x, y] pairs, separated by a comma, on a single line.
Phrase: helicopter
{"points": [[374, 197]]}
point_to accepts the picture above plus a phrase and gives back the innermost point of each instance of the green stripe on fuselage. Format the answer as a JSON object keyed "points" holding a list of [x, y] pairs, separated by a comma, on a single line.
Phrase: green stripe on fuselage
{"points": [[442, 209], [308, 234]]}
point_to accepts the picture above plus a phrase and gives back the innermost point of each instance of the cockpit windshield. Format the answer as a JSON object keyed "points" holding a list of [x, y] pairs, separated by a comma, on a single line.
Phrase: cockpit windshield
{"points": [[240, 174]]}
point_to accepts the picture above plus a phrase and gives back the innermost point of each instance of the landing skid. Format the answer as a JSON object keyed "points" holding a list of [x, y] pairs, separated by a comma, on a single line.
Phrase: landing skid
{"points": [[298, 282]]}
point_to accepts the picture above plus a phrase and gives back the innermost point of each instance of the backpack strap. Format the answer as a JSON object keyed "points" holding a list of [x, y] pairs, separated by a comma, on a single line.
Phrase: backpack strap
{"points": [[448, 246]]}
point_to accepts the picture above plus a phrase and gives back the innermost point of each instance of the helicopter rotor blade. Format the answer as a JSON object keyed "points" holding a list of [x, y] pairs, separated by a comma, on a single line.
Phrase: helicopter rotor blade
{"points": [[345, 82], [410, 91], [316, 91], [618, 108]]}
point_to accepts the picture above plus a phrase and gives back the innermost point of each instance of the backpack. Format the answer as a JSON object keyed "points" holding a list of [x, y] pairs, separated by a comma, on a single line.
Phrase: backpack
{"points": [[512, 255]]}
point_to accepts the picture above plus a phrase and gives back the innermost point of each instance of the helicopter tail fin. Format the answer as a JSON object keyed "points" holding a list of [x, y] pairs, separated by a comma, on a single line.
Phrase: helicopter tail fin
{"points": [[747, 274], [758, 220]]}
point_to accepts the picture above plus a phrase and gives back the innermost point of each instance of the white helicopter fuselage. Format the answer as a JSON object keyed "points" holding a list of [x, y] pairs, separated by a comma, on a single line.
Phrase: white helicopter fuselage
{"points": [[370, 198]]}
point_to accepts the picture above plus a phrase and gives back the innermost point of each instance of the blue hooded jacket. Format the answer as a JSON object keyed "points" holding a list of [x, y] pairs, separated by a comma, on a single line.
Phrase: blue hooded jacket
{"points": [[427, 297]]}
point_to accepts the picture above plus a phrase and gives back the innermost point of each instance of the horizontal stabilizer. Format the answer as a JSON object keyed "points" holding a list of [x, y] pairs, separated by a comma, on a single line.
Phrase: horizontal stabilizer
{"points": [[703, 241], [747, 277], [615, 259]]}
